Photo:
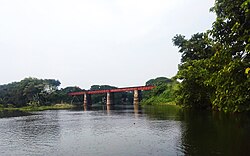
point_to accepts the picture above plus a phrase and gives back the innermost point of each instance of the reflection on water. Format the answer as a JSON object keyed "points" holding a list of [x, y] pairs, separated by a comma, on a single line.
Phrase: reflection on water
{"points": [[125, 130], [136, 110], [6, 113], [164, 112], [108, 109], [214, 133]]}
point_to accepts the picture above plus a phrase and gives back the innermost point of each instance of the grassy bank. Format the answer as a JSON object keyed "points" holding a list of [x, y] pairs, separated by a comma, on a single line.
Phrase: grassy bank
{"points": [[158, 100], [39, 108]]}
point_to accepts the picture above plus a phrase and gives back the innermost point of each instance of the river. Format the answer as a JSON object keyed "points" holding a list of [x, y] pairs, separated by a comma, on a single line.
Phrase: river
{"points": [[125, 131]]}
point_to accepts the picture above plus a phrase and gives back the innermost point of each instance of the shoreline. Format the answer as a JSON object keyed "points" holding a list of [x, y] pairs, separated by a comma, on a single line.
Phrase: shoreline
{"points": [[39, 108]]}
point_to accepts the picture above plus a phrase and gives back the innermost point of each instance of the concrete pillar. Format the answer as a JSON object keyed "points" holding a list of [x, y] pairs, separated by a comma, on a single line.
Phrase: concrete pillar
{"points": [[108, 109], [110, 98], [136, 110], [85, 102], [136, 97], [87, 99], [85, 107]]}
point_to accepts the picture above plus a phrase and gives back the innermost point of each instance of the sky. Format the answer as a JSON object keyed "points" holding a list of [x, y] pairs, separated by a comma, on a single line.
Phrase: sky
{"points": [[95, 42]]}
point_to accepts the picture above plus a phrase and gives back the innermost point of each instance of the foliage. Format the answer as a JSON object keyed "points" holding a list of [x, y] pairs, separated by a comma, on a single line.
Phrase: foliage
{"points": [[29, 91], [61, 96], [213, 63], [193, 70], [99, 98], [232, 30], [247, 71], [158, 81], [163, 93], [119, 98], [34, 93]]}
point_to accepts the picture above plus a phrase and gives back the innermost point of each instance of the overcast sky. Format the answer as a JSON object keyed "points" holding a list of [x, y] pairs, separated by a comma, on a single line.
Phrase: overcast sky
{"points": [[85, 42]]}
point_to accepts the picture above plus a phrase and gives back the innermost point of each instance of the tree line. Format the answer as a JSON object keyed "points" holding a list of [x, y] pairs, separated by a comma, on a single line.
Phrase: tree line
{"points": [[213, 63], [214, 72], [34, 92], [44, 92]]}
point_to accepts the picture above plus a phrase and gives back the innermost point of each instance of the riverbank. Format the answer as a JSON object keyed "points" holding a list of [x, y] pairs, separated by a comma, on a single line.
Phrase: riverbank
{"points": [[39, 108], [158, 100], [159, 104]]}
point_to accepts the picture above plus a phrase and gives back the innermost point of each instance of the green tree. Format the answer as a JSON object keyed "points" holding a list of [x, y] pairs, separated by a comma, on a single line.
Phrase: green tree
{"points": [[100, 98], [193, 70], [31, 91], [158, 81], [61, 95], [163, 92], [232, 30], [213, 63]]}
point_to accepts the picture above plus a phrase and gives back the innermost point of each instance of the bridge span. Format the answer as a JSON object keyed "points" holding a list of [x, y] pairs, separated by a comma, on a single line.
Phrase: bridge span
{"points": [[110, 94]]}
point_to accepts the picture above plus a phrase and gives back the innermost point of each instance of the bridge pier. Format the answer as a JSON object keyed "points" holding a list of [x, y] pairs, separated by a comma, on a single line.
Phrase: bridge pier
{"points": [[110, 98], [87, 99], [137, 96]]}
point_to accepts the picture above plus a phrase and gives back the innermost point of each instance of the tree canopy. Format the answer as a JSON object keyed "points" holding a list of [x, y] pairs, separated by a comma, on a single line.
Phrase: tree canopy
{"points": [[163, 92], [213, 63], [28, 91]]}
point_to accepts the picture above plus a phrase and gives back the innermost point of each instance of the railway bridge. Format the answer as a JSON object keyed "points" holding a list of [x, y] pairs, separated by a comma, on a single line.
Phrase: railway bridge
{"points": [[110, 94]]}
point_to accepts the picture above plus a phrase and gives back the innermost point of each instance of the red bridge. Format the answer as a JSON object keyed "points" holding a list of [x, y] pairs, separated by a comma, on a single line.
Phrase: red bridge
{"points": [[87, 94]]}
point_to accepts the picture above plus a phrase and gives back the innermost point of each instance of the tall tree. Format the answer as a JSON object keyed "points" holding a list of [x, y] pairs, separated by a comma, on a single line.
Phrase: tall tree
{"points": [[232, 30], [28, 91], [213, 64], [193, 70]]}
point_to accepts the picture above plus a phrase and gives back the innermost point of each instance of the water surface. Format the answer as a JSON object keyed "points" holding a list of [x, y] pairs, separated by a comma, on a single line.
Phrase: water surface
{"points": [[125, 130]]}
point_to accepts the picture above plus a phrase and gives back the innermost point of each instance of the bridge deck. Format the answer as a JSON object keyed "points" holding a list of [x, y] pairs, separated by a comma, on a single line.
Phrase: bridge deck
{"points": [[112, 90]]}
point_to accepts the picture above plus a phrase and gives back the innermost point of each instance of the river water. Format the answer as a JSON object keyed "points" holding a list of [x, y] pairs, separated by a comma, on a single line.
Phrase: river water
{"points": [[125, 131]]}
